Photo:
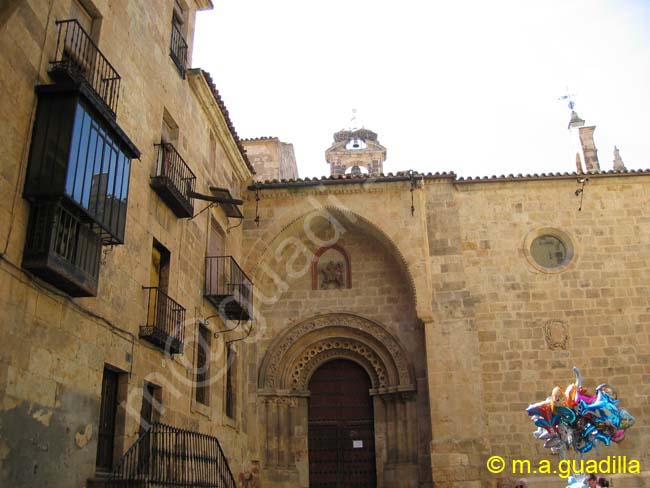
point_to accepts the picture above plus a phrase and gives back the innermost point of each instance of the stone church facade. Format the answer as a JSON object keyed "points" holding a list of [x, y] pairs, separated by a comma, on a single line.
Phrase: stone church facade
{"points": [[362, 329]]}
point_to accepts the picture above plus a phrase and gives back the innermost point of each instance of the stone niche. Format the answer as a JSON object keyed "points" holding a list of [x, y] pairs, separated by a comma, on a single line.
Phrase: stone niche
{"points": [[331, 269]]}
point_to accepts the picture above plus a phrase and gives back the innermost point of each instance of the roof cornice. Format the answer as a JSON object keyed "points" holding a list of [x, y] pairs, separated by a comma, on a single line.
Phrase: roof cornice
{"points": [[400, 177], [211, 102]]}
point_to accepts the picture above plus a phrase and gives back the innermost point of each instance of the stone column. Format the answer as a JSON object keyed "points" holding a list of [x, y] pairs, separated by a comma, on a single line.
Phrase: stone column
{"points": [[400, 470], [285, 445]]}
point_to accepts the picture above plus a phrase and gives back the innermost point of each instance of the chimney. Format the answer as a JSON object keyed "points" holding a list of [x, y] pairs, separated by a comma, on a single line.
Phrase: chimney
{"points": [[589, 148], [619, 165], [579, 169]]}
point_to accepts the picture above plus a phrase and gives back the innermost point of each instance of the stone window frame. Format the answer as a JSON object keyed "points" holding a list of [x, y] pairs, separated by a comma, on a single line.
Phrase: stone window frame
{"points": [[316, 259], [92, 13], [232, 372], [563, 236], [197, 407]]}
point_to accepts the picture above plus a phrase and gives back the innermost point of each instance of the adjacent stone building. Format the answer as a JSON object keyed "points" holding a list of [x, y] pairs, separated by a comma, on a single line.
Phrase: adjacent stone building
{"points": [[111, 261], [164, 305]]}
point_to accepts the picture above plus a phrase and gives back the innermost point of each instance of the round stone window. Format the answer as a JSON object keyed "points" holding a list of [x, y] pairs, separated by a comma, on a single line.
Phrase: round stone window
{"points": [[549, 250]]}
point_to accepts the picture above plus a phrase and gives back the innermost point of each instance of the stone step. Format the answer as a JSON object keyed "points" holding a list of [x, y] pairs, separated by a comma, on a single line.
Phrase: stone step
{"points": [[96, 483]]}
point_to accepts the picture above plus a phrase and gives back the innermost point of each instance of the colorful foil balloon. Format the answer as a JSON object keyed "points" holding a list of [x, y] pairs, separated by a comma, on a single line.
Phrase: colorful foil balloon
{"points": [[575, 419]]}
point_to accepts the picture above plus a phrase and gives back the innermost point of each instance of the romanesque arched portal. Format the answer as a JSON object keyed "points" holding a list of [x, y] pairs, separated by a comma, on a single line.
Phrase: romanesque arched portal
{"points": [[283, 382]]}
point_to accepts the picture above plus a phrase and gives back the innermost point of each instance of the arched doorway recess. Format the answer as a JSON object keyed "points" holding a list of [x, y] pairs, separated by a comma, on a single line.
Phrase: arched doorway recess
{"points": [[283, 392]]}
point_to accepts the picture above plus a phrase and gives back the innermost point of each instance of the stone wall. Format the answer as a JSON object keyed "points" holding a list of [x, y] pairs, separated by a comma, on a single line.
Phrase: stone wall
{"points": [[532, 325]]}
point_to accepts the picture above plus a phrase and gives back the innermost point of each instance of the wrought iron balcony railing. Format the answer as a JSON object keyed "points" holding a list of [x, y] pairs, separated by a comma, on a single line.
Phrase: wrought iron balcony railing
{"points": [[174, 181], [178, 49], [165, 326], [77, 58], [62, 248], [169, 456], [228, 288]]}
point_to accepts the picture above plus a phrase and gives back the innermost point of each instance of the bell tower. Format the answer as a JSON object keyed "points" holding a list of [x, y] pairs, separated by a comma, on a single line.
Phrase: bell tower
{"points": [[356, 151]]}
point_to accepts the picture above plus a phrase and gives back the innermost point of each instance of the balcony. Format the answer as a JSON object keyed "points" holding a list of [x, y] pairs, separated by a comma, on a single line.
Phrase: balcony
{"points": [[228, 288], [178, 49], [77, 157], [165, 326], [79, 60], [62, 249], [174, 181]]}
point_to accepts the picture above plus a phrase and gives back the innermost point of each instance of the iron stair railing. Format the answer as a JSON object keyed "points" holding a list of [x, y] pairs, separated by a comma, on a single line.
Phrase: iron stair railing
{"points": [[165, 456]]}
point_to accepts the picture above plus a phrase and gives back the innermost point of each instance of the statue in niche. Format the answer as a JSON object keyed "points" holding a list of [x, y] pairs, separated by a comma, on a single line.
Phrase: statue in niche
{"points": [[333, 276]]}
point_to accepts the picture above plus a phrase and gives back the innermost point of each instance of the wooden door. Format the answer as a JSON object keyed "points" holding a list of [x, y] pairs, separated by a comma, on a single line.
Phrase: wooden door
{"points": [[341, 427], [107, 414]]}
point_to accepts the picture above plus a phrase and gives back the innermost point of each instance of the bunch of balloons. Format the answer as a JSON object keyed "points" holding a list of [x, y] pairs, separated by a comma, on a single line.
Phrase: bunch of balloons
{"points": [[576, 481], [575, 419]]}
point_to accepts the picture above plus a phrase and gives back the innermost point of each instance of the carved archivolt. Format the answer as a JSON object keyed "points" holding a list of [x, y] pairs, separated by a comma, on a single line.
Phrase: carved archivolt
{"points": [[296, 354], [337, 349]]}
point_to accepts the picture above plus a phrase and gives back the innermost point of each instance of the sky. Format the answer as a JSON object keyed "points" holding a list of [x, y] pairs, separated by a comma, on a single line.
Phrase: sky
{"points": [[469, 86]]}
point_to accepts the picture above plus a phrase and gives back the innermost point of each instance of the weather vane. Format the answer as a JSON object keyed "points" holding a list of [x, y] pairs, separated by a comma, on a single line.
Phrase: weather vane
{"points": [[568, 97], [353, 120]]}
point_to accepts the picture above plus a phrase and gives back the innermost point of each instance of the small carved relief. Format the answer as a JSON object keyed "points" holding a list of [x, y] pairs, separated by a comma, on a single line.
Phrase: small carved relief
{"points": [[331, 269], [556, 333], [332, 275]]}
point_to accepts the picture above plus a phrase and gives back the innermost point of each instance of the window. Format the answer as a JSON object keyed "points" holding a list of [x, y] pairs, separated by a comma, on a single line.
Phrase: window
{"points": [[98, 173], [203, 365], [159, 281], [231, 359], [212, 152], [151, 406], [216, 240], [160, 258], [165, 327], [90, 167], [84, 16], [149, 414], [78, 45], [215, 272], [169, 130], [549, 250], [178, 47]]}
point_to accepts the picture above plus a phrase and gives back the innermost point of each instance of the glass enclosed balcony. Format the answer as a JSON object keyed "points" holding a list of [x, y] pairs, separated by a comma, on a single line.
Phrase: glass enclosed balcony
{"points": [[77, 157]]}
